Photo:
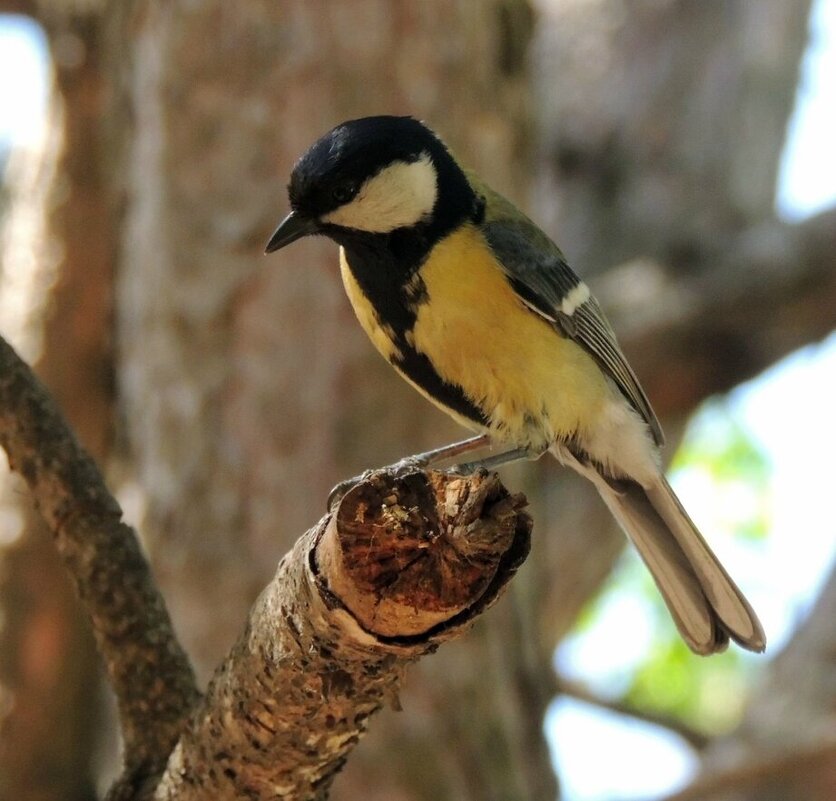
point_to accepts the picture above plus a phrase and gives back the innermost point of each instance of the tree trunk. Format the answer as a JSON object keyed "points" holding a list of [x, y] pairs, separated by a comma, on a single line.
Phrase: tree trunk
{"points": [[58, 259]]}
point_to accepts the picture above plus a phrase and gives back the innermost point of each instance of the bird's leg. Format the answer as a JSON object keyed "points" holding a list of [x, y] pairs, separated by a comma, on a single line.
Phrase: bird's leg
{"points": [[412, 463], [429, 458], [499, 459]]}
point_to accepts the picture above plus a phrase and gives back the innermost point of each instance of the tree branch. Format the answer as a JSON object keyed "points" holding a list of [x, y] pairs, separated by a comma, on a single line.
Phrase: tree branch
{"points": [[784, 774], [402, 565], [149, 672], [695, 335], [26, 7], [696, 739]]}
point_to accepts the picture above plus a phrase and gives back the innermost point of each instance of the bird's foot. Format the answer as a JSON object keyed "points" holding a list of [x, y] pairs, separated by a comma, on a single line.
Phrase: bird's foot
{"points": [[497, 460], [412, 464], [401, 468], [464, 469]]}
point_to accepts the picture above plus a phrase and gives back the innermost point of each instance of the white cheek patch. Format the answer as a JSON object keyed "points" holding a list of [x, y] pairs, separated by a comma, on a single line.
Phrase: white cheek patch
{"points": [[400, 195]]}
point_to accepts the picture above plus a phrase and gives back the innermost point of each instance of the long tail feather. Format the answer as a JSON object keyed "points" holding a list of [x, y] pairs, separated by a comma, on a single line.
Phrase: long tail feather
{"points": [[726, 599], [704, 602]]}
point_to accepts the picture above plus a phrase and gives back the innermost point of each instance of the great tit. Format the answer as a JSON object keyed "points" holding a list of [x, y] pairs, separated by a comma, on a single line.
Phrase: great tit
{"points": [[476, 308]]}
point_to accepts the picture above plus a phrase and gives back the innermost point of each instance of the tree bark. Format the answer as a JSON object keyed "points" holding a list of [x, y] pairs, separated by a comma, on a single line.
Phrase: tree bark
{"points": [[663, 124], [61, 234], [802, 773], [148, 671], [400, 567]]}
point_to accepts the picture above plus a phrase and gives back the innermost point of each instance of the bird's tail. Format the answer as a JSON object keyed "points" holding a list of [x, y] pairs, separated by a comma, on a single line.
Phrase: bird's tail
{"points": [[705, 603]]}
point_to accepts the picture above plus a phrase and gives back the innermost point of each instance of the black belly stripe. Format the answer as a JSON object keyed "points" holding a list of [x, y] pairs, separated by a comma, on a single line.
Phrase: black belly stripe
{"points": [[418, 367], [387, 269]]}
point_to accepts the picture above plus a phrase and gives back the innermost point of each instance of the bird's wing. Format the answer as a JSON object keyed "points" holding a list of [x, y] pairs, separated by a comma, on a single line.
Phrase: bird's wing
{"points": [[540, 276]]}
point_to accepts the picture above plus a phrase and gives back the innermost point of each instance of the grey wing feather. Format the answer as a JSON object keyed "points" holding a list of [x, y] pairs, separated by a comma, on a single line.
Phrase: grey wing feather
{"points": [[594, 332], [540, 276]]}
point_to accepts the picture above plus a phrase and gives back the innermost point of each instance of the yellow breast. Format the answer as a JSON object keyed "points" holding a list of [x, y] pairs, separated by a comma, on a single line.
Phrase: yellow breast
{"points": [[534, 384]]}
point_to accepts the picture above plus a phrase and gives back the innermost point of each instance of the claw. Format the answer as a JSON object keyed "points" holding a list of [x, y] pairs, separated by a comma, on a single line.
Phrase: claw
{"points": [[407, 465], [340, 490], [464, 469]]}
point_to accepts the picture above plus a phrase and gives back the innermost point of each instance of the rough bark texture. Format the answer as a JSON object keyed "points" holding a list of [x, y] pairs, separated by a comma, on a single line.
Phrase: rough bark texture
{"points": [[58, 258], [401, 566], [148, 671]]}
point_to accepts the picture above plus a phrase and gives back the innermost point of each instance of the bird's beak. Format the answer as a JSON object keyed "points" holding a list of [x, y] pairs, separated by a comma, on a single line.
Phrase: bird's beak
{"points": [[291, 228]]}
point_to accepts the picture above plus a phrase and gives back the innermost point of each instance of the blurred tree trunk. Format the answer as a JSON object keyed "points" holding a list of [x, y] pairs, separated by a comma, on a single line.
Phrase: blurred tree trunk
{"points": [[663, 124], [247, 389], [59, 248]]}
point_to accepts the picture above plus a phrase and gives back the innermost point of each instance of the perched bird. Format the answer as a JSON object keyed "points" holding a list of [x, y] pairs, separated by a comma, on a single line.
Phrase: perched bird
{"points": [[476, 307]]}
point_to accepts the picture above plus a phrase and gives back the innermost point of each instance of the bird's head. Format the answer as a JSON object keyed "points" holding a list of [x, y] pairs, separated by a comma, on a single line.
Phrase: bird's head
{"points": [[370, 176]]}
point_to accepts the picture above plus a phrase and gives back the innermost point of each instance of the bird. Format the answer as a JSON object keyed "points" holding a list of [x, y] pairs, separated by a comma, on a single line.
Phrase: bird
{"points": [[476, 307]]}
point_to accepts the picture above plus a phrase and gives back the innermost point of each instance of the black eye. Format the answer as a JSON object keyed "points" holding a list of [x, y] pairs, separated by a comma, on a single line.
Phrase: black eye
{"points": [[342, 193]]}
